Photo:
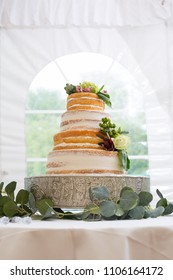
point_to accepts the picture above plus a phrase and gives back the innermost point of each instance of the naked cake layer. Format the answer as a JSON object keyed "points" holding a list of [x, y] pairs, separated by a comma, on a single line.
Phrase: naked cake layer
{"points": [[83, 161], [85, 101]]}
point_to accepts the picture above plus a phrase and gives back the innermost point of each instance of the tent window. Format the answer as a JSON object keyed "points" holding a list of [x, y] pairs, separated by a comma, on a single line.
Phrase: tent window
{"points": [[46, 101]]}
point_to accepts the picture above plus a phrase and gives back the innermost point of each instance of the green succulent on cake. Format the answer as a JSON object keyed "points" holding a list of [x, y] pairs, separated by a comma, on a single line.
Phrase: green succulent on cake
{"points": [[89, 87], [114, 139]]}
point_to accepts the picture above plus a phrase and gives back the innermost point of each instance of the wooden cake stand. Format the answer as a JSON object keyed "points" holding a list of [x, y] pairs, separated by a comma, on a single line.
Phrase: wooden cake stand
{"points": [[72, 191]]}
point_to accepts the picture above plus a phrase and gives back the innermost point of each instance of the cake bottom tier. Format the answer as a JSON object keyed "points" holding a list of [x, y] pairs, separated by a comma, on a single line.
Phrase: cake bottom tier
{"points": [[73, 191], [83, 161]]}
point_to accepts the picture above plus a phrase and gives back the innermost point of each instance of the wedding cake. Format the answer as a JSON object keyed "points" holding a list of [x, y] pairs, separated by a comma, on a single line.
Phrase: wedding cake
{"points": [[88, 142], [89, 150]]}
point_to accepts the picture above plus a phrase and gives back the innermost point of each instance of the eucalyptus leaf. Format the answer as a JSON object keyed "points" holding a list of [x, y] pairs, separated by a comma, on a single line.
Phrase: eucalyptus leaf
{"points": [[107, 208], [85, 214], [145, 198], [137, 213], [27, 210], [22, 197], [168, 209], [90, 209], [48, 214], [1, 211], [154, 213], [10, 209], [4, 199], [1, 187], [159, 193], [128, 200], [10, 188], [162, 202], [125, 189], [71, 216], [44, 205], [119, 211], [32, 202], [98, 193]]}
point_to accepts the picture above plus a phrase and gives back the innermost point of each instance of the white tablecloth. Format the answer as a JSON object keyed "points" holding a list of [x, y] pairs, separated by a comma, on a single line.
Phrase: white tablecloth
{"points": [[79, 240]]}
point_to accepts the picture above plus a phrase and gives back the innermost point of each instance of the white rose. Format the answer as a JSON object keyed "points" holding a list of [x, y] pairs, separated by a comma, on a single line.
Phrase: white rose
{"points": [[121, 142]]}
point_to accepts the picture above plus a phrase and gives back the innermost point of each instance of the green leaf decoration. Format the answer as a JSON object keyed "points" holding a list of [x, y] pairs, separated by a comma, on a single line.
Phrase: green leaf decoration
{"points": [[119, 211], [154, 213], [27, 210], [105, 98], [145, 198], [124, 159], [162, 202], [22, 197], [10, 188], [45, 207], [98, 193], [10, 209], [168, 209], [70, 89], [1, 212], [100, 89], [159, 193], [71, 216], [4, 199], [130, 205], [137, 213], [90, 209], [125, 189], [107, 208], [128, 200], [32, 202], [1, 187]]}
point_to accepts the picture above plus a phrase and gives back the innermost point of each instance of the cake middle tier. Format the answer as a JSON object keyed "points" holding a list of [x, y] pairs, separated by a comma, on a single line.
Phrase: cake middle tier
{"points": [[82, 119], [77, 139], [84, 162]]}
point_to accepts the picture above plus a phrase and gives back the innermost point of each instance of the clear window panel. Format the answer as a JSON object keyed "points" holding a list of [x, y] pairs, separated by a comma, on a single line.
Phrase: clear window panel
{"points": [[36, 168], [40, 129], [139, 167]]}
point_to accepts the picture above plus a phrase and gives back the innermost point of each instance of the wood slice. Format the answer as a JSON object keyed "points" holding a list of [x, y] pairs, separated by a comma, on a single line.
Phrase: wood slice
{"points": [[73, 191]]}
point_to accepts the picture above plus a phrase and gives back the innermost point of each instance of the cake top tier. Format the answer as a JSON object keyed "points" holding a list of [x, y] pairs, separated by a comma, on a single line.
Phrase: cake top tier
{"points": [[84, 94]]}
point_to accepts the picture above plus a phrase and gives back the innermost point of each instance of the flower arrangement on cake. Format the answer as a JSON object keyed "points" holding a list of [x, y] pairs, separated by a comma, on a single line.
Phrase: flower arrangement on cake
{"points": [[89, 87], [114, 139]]}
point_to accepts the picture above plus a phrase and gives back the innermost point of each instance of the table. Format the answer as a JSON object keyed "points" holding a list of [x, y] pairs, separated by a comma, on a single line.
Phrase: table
{"points": [[145, 239]]}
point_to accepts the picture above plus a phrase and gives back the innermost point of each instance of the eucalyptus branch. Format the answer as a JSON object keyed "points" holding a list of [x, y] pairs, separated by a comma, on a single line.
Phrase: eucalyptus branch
{"points": [[129, 205]]}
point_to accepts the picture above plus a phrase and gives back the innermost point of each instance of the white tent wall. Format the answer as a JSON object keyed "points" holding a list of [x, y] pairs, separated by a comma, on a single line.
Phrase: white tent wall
{"points": [[137, 33]]}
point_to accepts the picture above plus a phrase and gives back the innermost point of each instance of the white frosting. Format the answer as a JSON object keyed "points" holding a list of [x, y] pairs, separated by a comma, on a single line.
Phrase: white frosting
{"points": [[91, 160], [83, 97], [86, 105], [76, 144], [82, 119]]}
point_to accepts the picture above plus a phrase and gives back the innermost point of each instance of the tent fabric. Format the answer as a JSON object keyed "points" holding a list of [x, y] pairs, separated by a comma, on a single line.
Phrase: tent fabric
{"points": [[138, 34], [51, 13]]}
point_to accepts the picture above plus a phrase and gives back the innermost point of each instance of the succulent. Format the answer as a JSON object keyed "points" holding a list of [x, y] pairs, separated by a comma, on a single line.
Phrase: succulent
{"points": [[69, 88]]}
